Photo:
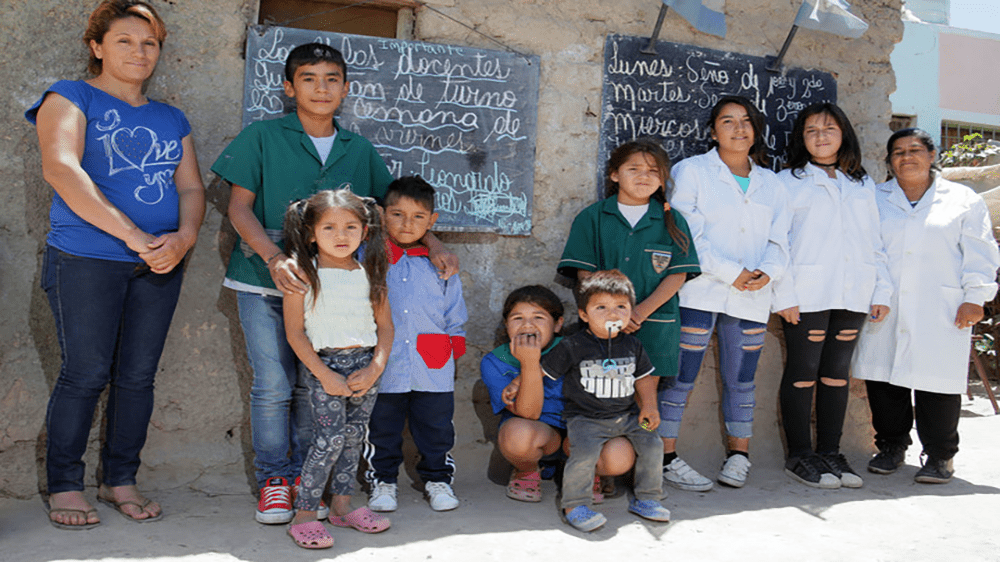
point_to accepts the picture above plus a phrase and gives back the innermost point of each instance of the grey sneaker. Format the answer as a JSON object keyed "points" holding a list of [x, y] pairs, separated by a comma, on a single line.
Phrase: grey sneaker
{"points": [[440, 496], [383, 497], [840, 468], [887, 460], [734, 471], [679, 475], [935, 471]]}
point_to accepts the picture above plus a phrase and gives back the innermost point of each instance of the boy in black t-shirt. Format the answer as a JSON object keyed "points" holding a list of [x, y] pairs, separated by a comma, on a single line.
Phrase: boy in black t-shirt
{"points": [[609, 393]]}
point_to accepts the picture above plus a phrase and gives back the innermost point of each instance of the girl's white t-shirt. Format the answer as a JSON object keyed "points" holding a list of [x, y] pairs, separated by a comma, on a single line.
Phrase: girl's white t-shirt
{"points": [[633, 213], [342, 315]]}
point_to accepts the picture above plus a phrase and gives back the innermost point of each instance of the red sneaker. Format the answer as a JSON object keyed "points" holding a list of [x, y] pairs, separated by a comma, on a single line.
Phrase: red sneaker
{"points": [[275, 505]]}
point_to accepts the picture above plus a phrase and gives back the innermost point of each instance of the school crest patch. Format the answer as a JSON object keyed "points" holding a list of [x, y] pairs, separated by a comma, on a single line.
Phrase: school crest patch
{"points": [[659, 259]]}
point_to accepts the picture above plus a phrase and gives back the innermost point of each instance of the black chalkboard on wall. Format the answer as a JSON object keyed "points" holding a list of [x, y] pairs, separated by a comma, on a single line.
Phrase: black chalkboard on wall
{"points": [[669, 95], [462, 118]]}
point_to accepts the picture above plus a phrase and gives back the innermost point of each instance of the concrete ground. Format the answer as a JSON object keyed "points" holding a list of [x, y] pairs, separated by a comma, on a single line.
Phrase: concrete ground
{"points": [[772, 518]]}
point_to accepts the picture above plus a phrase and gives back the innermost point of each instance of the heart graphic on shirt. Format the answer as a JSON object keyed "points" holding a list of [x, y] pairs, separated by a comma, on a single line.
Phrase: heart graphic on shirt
{"points": [[134, 146]]}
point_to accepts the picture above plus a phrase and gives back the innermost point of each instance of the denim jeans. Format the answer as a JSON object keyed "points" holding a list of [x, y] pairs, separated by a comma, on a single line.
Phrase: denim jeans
{"points": [[740, 342], [111, 321], [587, 437], [279, 406]]}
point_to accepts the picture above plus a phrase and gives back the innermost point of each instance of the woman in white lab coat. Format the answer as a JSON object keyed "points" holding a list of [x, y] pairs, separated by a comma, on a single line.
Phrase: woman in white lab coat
{"points": [[943, 263], [837, 277]]}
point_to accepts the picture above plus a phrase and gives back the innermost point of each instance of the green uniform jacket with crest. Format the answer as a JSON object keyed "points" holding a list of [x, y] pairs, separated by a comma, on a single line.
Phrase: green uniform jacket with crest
{"points": [[601, 238]]}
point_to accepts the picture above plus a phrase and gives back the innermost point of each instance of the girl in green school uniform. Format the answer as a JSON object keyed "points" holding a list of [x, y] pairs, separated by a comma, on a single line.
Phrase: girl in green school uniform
{"points": [[634, 230]]}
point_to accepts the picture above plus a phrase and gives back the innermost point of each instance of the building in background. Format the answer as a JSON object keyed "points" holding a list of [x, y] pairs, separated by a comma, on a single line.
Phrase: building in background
{"points": [[946, 79]]}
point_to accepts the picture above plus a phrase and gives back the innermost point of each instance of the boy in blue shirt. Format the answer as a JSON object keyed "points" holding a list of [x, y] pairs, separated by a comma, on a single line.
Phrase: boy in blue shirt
{"points": [[608, 393], [271, 164], [419, 381]]}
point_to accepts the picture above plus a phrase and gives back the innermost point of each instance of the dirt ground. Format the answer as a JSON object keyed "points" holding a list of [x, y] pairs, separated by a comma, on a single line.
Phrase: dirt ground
{"points": [[773, 518]]}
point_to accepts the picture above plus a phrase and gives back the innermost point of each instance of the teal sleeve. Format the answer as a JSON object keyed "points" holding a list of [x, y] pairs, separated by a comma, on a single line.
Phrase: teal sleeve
{"points": [[684, 262], [241, 163], [581, 246]]}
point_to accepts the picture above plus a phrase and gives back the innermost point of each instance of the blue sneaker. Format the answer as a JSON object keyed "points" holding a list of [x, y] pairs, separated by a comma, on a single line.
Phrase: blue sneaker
{"points": [[649, 509], [582, 518]]}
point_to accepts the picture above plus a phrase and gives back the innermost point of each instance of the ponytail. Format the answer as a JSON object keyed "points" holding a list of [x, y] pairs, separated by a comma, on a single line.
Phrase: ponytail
{"points": [[298, 230], [376, 262]]}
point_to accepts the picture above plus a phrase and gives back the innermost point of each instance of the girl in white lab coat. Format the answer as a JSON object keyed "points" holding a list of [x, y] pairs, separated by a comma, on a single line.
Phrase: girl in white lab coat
{"points": [[737, 211], [837, 277], [943, 263]]}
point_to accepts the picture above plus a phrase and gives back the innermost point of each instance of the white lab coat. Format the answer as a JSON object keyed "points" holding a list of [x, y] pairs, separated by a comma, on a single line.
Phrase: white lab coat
{"points": [[837, 260], [732, 230], [941, 253]]}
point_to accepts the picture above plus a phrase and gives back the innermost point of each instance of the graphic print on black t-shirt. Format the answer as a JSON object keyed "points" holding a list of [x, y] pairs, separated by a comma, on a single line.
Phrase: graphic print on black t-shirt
{"points": [[598, 381], [611, 378]]}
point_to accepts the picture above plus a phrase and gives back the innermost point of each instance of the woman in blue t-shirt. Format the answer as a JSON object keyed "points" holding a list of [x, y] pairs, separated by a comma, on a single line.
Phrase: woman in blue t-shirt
{"points": [[127, 207]]}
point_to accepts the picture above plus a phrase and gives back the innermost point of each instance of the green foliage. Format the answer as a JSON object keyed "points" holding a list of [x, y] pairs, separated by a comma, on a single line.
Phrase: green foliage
{"points": [[969, 152]]}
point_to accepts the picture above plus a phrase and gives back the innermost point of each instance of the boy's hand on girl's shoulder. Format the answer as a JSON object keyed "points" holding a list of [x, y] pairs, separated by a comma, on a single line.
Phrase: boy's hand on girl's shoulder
{"points": [[527, 348], [287, 276]]}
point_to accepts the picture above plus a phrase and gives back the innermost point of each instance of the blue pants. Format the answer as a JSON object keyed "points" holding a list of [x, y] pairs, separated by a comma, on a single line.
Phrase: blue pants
{"points": [[279, 404], [587, 437], [740, 342], [111, 321], [338, 427], [430, 415]]}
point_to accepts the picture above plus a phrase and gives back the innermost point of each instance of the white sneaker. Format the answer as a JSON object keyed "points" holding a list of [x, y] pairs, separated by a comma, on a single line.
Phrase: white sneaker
{"points": [[383, 497], [734, 471], [679, 475], [440, 496]]}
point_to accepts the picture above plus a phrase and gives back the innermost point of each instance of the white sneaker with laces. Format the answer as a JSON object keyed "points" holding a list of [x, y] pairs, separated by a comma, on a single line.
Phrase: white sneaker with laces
{"points": [[383, 497], [440, 496], [680, 475], [734, 471]]}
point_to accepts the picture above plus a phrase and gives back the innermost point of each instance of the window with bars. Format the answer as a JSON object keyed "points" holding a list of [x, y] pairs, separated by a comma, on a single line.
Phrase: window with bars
{"points": [[378, 18], [952, 133]]}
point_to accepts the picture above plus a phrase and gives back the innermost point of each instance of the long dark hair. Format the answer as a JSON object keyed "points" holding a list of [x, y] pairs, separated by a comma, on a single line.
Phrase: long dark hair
{"points": [[300, 224], [652, 149], [849, 154], [758, 151], [921, 135]]}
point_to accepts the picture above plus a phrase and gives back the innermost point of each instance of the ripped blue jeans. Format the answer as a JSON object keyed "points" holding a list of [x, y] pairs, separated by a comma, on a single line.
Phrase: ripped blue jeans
{"points": [[740, 342]]}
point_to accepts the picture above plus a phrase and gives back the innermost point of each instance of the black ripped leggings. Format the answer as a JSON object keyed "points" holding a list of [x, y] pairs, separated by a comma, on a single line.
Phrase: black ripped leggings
{"points": [[819, 347]]}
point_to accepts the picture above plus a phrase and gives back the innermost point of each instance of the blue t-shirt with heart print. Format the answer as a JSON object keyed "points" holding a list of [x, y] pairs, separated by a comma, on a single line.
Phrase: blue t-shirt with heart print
{"points": [[131, 154]]}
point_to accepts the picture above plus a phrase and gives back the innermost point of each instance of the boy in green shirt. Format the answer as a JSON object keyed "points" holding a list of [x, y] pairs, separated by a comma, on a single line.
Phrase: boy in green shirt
{"points": [[271, 164]]}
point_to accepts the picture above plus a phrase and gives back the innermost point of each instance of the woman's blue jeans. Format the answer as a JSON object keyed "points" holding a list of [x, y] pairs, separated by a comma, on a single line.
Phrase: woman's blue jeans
{"points": [[280, 418], [111, 321], [740, 342]]}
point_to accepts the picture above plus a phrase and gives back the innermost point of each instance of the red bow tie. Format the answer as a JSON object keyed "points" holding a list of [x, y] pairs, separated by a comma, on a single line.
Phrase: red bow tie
{"points": [[395, 252]]}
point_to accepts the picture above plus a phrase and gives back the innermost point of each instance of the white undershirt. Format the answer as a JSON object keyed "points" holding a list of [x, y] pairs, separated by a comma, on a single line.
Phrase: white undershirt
{"points": [[633, 213], [324, 145]]}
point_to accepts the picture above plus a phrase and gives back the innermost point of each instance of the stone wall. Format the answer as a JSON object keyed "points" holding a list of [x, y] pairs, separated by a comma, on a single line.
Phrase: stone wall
{"points": [[199, 434]]}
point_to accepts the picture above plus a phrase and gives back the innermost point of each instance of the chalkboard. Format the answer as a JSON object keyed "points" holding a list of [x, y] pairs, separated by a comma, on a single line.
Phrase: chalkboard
{"points": [[462, 118], [669, 95]]}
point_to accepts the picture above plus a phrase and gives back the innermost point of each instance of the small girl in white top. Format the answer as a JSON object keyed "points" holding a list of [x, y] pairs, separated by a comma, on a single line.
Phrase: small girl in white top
{"points": [[737, 212], [837, 277], [341, 330]]}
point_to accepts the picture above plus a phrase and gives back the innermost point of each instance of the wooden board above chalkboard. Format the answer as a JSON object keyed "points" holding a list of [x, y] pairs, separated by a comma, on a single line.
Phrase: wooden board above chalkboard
{"points": [[462, 118], [669, 95]]}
